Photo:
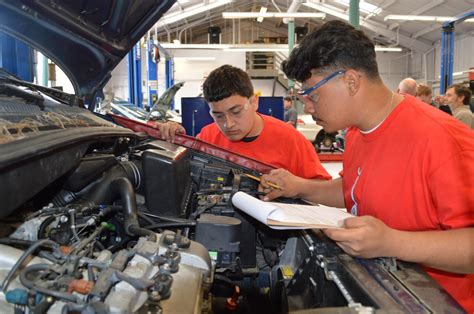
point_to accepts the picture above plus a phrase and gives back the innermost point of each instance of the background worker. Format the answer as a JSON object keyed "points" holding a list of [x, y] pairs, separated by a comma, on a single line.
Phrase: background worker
{"points": [[291, 115], [408, 170], [407, 86], [423, 93], [458, 97], [238, 126]]}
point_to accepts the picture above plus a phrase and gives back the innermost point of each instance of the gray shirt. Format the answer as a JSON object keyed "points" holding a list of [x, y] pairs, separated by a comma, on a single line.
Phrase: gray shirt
{"points": [[464, 115], [291, 115]]}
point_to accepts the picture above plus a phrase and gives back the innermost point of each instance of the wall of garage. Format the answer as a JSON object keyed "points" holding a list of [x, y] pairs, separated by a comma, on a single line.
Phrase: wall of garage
{"points": [[426, 67], [192, 66]]}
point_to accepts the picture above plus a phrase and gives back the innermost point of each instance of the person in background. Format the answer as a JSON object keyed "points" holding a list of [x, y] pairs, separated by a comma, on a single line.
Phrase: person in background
{"points": [[407, 86], [408, 170], [458, 98], [291, 116], [238, 126], [423, 93]]}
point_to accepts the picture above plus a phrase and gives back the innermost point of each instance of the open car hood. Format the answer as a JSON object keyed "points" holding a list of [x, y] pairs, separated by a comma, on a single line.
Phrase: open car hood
{"points": [[87, 39]]}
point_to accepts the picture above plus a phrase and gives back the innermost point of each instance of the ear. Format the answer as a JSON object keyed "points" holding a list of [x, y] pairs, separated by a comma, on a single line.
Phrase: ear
{"points": [[254, 102], [352, 79]]}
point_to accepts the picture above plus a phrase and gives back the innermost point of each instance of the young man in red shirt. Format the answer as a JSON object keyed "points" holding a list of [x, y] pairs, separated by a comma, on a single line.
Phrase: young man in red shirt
{"points": [[239, 128], [408, 169]]}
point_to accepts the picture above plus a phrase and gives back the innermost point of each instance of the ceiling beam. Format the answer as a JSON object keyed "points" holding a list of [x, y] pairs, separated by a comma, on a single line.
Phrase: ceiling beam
{"points": [[384, 6], [420, 11], [434, 27], [426, 31], [376, 27], [430, 5]]}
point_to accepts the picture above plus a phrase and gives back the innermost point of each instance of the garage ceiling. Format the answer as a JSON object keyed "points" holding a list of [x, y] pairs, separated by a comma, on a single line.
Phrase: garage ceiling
{"points": [[414, 35]]}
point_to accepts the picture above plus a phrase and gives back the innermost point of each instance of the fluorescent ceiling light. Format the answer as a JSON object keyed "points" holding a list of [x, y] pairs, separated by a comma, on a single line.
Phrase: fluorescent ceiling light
{"points": [[262, 10], [194, 46], [252, 47], [422, 18], [190, 11], [176, 41], [243, 15], [363, 6], [259, 47], [388, 49], [185, 59]]}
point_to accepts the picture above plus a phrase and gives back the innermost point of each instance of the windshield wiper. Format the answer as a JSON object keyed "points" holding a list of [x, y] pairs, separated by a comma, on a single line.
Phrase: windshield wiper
{"points": [[29, 96]]}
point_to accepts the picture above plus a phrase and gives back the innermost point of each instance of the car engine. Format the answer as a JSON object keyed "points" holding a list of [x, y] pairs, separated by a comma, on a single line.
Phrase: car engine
{"points": [[141, 225]]}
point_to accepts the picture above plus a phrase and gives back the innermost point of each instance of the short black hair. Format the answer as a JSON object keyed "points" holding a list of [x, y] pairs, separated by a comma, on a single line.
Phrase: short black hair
{"points": [[462, 90], [332, 46], [288, 98], [226, 81]]}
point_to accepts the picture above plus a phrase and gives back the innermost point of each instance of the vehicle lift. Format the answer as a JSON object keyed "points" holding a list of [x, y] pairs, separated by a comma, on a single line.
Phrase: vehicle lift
{"points": [[16, 57], [135, 72], [135, 76], [447, 51]]}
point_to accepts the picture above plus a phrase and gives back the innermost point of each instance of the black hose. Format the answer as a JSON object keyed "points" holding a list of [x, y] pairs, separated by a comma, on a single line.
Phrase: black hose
{"points": [[123, 187], [136, 230], [166, 218], [225, 279], [171, 225], [100, 192], [116, 183], [30, 284], [24, 243], [146, 218], [21, 260]]}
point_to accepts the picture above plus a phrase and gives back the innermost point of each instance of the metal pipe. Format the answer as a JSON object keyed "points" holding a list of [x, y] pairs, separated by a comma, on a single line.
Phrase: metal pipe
{"points": [[354, 13], [291, 44], [294, 6], [276, 6]]}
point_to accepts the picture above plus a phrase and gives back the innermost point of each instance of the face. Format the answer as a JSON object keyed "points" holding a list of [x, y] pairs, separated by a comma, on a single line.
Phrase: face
{"points": [[287, 104], [451, 99], [235, 116], [325, 103], [424, 98]]}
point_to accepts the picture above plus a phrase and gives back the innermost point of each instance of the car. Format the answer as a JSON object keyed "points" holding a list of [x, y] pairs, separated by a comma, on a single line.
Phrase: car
{"points": [[122, 107], [102, 218], [322, 141]]}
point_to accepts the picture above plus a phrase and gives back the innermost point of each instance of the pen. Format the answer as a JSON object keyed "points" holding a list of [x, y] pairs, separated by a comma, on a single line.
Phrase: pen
{"points": [[273, 185]]}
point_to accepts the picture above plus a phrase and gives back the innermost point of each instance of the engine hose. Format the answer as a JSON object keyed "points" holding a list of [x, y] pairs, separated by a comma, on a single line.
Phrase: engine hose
{"points": [[25, 243], [171, 225], [124, 188], [165, 218], [30, 284], [85, 242], [100, 193], [114, 184], [22, 259]]}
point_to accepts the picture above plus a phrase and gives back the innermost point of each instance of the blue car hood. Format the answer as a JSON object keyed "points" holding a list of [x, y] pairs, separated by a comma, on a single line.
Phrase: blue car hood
{"points": [[87, 39]]}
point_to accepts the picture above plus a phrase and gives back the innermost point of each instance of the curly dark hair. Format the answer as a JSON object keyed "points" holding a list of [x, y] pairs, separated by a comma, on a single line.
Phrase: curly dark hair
{"points": [[226, 81], [332, 46]]}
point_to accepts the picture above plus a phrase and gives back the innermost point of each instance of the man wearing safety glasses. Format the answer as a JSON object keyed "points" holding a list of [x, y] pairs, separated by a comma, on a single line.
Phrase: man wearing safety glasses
{"points": [[240, 128], [408, 168]]}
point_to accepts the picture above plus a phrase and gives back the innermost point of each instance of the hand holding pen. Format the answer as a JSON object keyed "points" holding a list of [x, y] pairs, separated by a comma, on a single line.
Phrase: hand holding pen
{"points": [[285, 181]]}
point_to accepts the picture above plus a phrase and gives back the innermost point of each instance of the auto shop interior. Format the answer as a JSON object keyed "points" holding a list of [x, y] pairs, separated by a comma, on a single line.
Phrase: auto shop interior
{"points": [[228, 156]]}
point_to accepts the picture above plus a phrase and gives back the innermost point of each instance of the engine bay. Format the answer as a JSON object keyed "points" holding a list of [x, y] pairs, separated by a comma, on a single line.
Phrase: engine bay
{"points": [[148, 226]]}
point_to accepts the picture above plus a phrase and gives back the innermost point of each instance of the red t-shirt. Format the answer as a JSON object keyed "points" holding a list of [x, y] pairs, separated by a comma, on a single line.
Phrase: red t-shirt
{"points": [[415, 172], [279, 145]]}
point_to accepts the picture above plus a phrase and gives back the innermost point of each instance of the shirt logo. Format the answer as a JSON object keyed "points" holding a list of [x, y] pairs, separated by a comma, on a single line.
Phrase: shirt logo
{"points": [[355, 206]]}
